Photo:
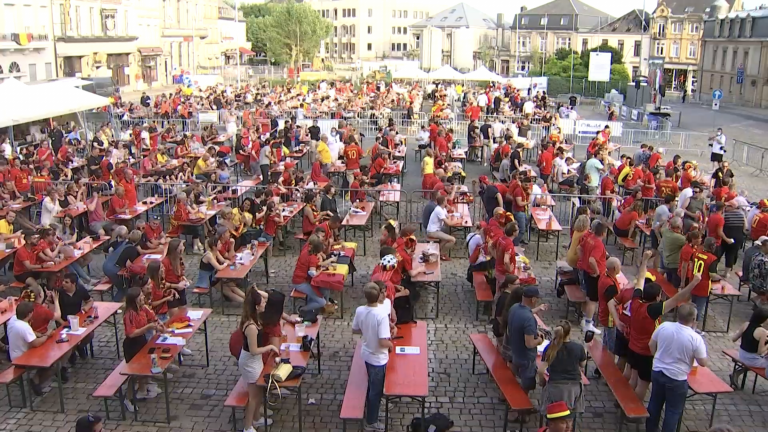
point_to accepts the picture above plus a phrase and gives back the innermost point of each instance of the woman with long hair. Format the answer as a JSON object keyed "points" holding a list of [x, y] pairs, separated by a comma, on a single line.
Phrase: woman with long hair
{"points": [[173, 266], [213, 262], [312, 215], [388, 234], [754, 343], [160, 293], [511, 294], [138, 320], [564, 360], [250, 362]]}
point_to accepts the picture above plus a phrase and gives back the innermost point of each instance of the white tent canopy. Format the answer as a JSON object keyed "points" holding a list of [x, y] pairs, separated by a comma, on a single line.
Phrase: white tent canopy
{"points": [[28, 103], [410, 73], [483, 74], [446, 73]]}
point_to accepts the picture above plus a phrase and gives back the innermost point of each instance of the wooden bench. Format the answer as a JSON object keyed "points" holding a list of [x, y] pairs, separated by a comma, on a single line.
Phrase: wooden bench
{"points": [[738, 366], [483, 293], [113, 385], [13, 375], [743, 283], [626, 245], [104, 287], [574, 296], [418, 154], [203, 291], [564, 271], [517, 399], [353, 404], [237, 399], [632, 408], [301, 238], [297, 295]]}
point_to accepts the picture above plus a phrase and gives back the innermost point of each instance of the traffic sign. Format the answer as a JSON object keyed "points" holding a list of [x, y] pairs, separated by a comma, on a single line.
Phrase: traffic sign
{"points": [[740, 74], [717, 94]]}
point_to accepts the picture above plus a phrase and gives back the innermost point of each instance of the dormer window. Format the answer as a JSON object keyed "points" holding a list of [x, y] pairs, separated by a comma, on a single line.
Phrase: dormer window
{"points": [[748, 27], [726, 28], [736, 27], [717, 27]]}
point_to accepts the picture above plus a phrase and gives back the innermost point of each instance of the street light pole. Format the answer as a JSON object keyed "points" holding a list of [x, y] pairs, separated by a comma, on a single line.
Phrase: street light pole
{"points": [[237, 52]]}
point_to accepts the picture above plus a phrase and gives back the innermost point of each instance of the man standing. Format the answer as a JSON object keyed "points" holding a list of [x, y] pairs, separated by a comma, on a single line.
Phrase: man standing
{"points": [[592, 170], [74, 298], [717, 143], [372, 322], [675, 346], [591, 264], [672, 243], [324, 154], [522, 338]]}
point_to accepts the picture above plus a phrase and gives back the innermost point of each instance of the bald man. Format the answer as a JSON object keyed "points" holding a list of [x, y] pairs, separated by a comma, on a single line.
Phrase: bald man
{"points": [[609, 291]]}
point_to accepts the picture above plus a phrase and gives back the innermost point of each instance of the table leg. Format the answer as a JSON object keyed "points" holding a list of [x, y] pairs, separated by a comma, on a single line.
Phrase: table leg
{"points": [[704, 322], [365, 241], [538, 241], [319, 354], [386, 414], [423, 414], [557, 248], [730, 314], [167, 398], [117, 337], [298, 403], [207, 355], [133, 399], [265, 404], [61, 387], [712, 415], [345, 232], [437, 306]]}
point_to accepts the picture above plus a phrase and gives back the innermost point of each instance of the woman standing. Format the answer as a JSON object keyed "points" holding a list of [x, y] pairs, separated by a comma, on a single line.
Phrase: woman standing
{"points": [[564, 360], [138, 320], [754, 343], [173, 267], [428, 171], [250, 362]]}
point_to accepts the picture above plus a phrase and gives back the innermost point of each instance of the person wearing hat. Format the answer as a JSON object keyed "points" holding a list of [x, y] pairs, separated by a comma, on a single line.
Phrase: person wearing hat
{"points": [[559, 418], [523, 338], [758, 271], [758, 224], [89, 423]]}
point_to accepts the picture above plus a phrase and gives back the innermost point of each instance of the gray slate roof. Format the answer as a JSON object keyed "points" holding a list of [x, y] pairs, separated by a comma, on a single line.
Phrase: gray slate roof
{"points": [[460, 15]]}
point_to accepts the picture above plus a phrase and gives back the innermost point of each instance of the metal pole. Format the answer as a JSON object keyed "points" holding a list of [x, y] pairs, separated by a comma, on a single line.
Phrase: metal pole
{"points": [[237, 52], [194, 53], [573, 32], [546, 42], [517, 43]]}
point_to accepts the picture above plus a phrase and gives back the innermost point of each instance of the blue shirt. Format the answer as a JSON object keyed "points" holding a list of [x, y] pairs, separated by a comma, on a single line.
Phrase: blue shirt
{"points": [[520, 322]]}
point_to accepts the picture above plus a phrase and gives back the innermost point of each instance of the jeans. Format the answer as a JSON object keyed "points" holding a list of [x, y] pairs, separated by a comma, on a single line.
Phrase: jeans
{"points": [[672, 276], [376, 376], [701, 306], [609, 339], [79, 271], [314, 301], [264, 173], [665, 392], [521, 218]]}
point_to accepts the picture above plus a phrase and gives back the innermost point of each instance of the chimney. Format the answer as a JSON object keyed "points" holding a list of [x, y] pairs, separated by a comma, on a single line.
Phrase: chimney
{"points": [[523, 9], [499, 20]]}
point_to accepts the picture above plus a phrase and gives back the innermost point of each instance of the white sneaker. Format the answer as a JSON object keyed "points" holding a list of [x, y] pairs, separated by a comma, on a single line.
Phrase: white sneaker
{"points": [[250, 429], [154, 388], [374, 427], [582, 324], [147, 394], [128, 405], [262, 422], [185, 351], [173, 367], [269, 412], [591, 327]]}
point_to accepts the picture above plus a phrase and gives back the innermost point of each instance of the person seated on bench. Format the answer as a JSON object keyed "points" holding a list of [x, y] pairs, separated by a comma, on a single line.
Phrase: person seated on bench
{"points": [[21, 338], [564, 360], [181, 214], [624, 226], [26, 262], [559, 418], [522, 338], [74, 298], [645, 311], [754, 343], [480, 258], [436, 225], [591, 265], [308, 265]]}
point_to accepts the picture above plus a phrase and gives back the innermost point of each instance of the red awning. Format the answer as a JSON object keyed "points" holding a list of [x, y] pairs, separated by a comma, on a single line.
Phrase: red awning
{"points": [[246, 51]]}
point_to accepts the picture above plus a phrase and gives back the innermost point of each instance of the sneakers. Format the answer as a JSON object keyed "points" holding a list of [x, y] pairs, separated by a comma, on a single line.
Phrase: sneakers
{"points": [[590, 327], [262, 422], [185, 351], [64, 375], [154, 388], [128, 405], [374, 427], [146, 394]]}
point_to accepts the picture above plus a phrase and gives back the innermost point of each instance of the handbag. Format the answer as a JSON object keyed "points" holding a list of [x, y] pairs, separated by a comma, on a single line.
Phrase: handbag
{"points": [[281, 372]]}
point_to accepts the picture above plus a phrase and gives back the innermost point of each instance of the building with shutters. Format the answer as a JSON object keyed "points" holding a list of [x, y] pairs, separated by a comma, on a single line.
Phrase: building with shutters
{"points": [[26, 41]]}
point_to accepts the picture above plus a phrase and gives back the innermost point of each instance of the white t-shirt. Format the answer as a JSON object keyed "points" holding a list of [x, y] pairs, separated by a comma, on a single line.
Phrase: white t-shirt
{"points": [[373, 322], [20, 335], [677, 346], [7, 150], [145, 138], [560, 169], [436, 219], [751, 216], [528, 107], [684, 195], [718, 144], [498, 129], [476, 241], [335, 146], [482, 100]]}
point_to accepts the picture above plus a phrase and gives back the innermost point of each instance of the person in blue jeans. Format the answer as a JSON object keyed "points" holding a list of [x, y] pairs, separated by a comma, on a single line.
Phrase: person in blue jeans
{"points": [[675, 345], [308, 266], [372, 321]]}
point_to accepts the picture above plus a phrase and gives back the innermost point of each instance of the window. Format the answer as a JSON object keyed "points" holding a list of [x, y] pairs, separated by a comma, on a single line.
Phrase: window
{"points": [[524, 43], [399, 14], [733, 60], [370, 15], [524, 65], [745, 61], [562, 42], [635, 72], [417, 38], [48, 70], [714, 57], [352, 30], [394, 30], [675, 50], [620, 46], [661, 29], [443, 19], [343, 13], [78, 26], [721, 82], [637, 48], [543, 45], [543, 21], [370, 29], [660, 48], [354, 15], [32, 72], [405, 47], [393, 47], [405, 14], [692, 49], [399, 30], [693, 28], [677, 27], [564, 20], [711, 80], [584, 44], [604, 42], [525, 20], [335, 31], [405, 30], [394, 13], [730, 85], [723, 59]]}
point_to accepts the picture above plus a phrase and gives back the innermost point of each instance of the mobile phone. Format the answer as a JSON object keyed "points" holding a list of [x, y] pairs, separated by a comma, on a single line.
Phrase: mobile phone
{"points": [[165, 356], [429, 272], [166, 350], [62, 340], [152, 350]]}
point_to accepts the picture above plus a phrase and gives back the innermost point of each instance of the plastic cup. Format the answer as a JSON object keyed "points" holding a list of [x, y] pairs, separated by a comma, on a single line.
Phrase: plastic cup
{"points": [[74, 323], [300, 330]]}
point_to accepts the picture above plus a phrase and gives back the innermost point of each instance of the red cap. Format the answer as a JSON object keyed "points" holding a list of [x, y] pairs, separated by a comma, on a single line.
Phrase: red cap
{"points": [[357, 174], [483, 224], [763, 203], [557, 410], [483, 179], [614, 171]]}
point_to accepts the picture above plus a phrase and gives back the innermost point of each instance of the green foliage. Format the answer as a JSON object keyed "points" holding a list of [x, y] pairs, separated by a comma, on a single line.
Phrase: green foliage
{"points": [[619, 72], [287, 32], [485, 54], [617, 57], [565, 53]]}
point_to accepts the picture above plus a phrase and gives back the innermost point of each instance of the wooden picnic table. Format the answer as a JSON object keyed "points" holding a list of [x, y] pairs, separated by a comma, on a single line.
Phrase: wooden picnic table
{"points": [[408, 374], [240, 189], [82, 248], [358, 221], [51, 354], [141, 364], [241, 267], [434, 277], [19, 207], [702, 381], [547, 223], [6, 252], [77, 211], [141, 207]]}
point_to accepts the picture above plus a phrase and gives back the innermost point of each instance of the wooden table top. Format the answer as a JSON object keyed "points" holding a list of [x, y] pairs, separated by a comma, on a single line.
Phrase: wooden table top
{"points": [[241, 268], [432, 267], [137, 210], [74, 212], [463, 220], [353, 219], [545, 220], [408, 374], [390, 192], [86, 245]]}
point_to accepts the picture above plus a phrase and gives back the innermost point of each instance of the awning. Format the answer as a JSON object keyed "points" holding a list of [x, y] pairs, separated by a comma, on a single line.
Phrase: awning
{"points": [[246, 51], [151, 51]]}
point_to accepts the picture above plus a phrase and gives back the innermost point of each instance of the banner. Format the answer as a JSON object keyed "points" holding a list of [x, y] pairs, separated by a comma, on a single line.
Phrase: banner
{"points": [[599, 66], [589, 127], [208, 117], [624, 112]]}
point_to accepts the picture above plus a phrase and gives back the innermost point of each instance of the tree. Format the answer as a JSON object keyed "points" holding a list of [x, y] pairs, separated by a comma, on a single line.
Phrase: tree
{"points": [[288, 32], [619, 73], [535, 59], [564, 53], [485, 54], [616, 56], [412, 54]]}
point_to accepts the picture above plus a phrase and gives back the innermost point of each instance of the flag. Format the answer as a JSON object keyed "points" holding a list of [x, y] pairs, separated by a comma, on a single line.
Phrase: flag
{"points": [[22, 38]]}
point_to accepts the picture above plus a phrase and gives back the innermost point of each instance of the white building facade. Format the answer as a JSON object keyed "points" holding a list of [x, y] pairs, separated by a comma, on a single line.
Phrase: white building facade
{"points": [[26, 41]]}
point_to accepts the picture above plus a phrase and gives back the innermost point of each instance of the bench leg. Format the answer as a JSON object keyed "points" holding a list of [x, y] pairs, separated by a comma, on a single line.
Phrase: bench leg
{"points": [[234, 420], [121, 400], [567, 306], [106, 408], [506, 417], [477, 310]]}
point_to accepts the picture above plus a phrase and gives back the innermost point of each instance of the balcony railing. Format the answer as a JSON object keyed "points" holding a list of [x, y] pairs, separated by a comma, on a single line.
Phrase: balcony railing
{"points": [[660, 35], [227, 13], [36, 37]]}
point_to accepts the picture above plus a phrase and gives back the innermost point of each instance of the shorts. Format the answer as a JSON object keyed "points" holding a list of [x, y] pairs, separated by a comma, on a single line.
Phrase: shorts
{"points": [[643, 364], [589, 285], [715, 157], [273, 331], [526, 373], [268, 238], [179, 302], [609, 338], [701, 306], [569, 183], [620, 232], [26, 275], [95, 227], [621, 345]]}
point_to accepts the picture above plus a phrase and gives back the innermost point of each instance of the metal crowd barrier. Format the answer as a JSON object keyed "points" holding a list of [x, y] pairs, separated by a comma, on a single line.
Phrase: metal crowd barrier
{"points": [[750, 156]]}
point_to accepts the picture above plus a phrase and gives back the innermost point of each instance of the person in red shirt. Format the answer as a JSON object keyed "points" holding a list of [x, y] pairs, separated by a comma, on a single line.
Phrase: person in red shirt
{"points": [[441, 146], [148, 164], [138, 320], [691, 248], [506, 260], [26, 264], [687, 176], [545, 163], [433, 127], [667, 186], [20, 178], [649, 186], [631, 182], [715, 224], [46, 308], [352, 154], [646, 311], [624, 226], [473, 111], [655, 158], [44, 154], [608, 190], [64, 154], [719, 194], [520, 202], [118, 203], [591, 264], [610, 309], [308, 265], [377, 168], [704, 264], [759, 226]]}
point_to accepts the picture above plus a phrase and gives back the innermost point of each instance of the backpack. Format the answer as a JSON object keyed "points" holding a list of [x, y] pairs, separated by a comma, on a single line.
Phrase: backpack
{"points": [[236, 340], [435, 423], [403, 309]]}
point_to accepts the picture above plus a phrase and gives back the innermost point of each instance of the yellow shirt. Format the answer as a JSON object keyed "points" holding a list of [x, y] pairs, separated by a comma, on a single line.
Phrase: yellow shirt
{"points": [[324, 152], [459, 89], [199, 167], [162, 158], [5, 227], [427, 165]]}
